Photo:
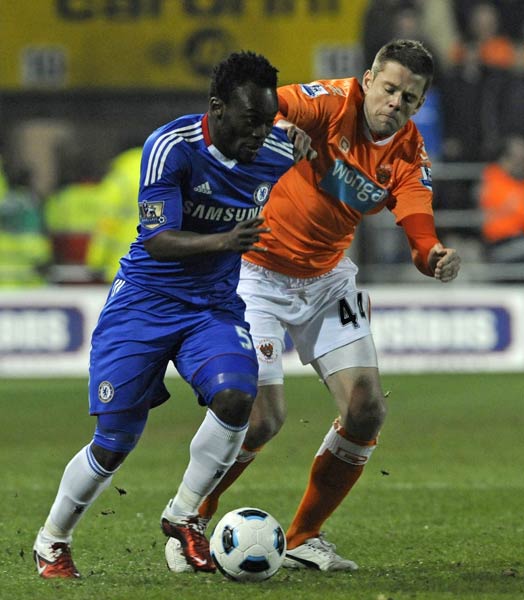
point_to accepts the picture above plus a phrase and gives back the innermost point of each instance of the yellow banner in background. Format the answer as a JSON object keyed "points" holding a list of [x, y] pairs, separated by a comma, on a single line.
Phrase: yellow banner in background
{"points": [[170, 44]]}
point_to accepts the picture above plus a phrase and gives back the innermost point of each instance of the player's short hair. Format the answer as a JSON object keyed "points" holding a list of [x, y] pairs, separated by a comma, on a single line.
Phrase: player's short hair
{"points": [[411, 54], [239, 68]]}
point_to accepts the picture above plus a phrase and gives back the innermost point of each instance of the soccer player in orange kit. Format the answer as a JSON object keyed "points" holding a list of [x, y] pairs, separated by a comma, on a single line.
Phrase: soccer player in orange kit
{"points": [[370, 157]]}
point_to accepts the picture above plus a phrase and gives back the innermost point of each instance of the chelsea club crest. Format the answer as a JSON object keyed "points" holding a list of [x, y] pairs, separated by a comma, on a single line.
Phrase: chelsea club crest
{"points": [[261, 194]]}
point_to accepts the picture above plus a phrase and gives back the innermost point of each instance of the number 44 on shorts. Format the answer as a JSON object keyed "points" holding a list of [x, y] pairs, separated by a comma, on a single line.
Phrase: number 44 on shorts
{"points": [[348, 315]]}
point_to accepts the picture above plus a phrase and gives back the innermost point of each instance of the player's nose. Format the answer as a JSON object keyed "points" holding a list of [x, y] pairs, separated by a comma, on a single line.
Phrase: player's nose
{"points": [[395, 100]]}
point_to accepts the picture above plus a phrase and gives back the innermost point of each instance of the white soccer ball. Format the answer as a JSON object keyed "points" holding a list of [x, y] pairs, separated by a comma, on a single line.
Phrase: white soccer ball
{"points": [[248, 544]]}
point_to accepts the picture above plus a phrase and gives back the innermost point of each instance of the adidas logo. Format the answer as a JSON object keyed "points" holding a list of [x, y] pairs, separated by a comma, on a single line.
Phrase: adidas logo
{"points": [[203, 188]]}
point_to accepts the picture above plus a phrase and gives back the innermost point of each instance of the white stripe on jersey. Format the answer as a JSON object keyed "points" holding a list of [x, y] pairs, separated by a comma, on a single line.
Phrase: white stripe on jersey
{"points": [[156, 154], [163, 145], [117, 286], [283, 148]]}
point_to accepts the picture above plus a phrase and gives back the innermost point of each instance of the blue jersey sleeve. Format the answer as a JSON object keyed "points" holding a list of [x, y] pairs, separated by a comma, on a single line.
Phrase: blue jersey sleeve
{"points": [[164, 168]]}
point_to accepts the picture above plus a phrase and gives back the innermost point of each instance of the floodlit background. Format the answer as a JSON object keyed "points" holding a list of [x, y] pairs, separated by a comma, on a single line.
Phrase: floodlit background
{"points": [[438, 512], [83, 83]]}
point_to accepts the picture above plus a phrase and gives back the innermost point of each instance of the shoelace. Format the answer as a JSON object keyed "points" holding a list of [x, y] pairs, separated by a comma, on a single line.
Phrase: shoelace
{"points": [[64, 560], [325, 546], [200, 541]]}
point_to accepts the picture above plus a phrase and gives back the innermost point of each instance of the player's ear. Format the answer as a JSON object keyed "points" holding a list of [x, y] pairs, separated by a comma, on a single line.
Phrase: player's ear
{"points": [[216, 107], [366, 80]]}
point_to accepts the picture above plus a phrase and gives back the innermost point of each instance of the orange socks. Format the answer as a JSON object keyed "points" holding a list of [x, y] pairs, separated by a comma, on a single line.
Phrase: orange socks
{"points": [[335, 470]]}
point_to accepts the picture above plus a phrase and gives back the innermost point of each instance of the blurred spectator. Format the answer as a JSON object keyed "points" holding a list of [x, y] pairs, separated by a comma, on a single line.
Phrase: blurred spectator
{"points": [[484, 43], [440, 28], [433, 23], [483, 60], [71, 215], [511, 15], [24, 247], [118, 220], [501, 197]]}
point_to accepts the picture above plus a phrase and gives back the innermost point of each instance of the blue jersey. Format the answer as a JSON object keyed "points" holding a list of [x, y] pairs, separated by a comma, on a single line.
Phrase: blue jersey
{"points": [[187, 184]]}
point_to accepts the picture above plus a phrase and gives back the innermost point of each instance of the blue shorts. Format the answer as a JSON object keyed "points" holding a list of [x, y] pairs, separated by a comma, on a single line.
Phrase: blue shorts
{"points": [[139, 332]]}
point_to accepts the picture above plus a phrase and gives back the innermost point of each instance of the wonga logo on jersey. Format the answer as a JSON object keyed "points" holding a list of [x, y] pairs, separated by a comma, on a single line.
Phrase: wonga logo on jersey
{"points": [[352, 187]]}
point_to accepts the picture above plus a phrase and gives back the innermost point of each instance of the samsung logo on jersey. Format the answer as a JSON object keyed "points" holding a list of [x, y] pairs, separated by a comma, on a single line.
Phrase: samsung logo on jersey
{"points": [[352, 187], [220, 213]]}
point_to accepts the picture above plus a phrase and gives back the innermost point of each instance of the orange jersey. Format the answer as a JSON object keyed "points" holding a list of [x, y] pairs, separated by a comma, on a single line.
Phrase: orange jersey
{"points": [[502, 201], [315, 207]]}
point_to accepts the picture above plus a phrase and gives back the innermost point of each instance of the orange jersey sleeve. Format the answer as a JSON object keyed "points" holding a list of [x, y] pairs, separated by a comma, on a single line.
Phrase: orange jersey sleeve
{"points": [[420, 231], [315, 207]]}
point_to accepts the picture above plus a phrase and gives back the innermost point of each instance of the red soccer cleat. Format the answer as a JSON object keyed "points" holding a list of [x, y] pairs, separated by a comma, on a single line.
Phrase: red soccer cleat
{"points": [[189, 531], [53, 559]]}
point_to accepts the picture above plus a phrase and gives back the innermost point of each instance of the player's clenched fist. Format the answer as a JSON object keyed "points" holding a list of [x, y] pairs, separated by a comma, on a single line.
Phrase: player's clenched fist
{"points": [[445, 262]]}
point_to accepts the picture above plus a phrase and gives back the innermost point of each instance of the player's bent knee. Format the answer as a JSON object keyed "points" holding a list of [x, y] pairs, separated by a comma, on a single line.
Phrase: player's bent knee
{"points": [[365, 420], [232, 406], [226, 372], [109, 460]]}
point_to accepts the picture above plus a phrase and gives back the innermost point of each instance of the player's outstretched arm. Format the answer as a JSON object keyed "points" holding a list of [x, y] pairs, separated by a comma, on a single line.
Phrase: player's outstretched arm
{"points": [[171, 244], [444, 262]]}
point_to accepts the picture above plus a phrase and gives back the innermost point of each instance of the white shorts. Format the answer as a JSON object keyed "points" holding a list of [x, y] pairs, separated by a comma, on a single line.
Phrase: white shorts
{"points": [[321, 314]]}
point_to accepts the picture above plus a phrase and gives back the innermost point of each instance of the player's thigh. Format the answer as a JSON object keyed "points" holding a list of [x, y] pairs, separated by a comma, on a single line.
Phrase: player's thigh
{"points": [[268, 336], [354, 364], [352, 376], [336, 320], [217, 353], [267, 306], [343, 367], [128, 357]]}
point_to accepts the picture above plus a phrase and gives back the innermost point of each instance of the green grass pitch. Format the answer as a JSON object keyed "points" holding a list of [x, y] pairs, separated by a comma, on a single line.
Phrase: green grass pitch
{"points": [[438, 513]]}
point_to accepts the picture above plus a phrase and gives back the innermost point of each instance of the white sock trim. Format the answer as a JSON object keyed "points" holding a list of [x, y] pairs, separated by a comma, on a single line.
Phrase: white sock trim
{"points": [[226, 425], [350, 452], [95, 466]]}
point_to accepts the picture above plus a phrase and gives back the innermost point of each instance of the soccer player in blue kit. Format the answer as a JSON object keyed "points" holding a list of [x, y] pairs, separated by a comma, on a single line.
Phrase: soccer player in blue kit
{"points": [[204, 180]]}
